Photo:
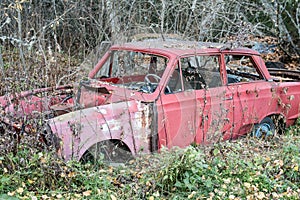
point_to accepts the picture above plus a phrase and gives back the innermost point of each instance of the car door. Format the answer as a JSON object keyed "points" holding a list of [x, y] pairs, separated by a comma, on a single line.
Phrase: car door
{"points": [[252, 94], [177, 115], [197, 103], [215, 100]]}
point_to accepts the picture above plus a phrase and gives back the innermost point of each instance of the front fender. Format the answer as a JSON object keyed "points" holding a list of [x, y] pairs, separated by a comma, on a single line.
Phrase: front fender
{"points": [[129, 121]]}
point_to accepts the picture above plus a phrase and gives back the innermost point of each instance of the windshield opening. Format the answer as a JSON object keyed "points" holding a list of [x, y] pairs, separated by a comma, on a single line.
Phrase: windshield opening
{"points": [[134, 70]]}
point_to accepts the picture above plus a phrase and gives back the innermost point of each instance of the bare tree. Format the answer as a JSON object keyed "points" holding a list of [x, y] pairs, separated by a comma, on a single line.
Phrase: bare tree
{"points": [[41, 31]]}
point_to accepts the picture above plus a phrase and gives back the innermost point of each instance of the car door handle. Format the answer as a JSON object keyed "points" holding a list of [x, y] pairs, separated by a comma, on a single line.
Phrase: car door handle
{"points": [[228, 98]]}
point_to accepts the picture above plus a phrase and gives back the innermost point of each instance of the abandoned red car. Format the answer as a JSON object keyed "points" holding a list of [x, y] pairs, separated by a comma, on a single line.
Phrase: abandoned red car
{"points": [[142, 96]]}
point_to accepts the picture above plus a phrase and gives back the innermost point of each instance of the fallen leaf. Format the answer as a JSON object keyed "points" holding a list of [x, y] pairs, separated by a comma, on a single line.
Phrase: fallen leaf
{"points": [[77, 195], [156, 194], [227, 181], [34, 198], [113, 197], [71, 174], [20, 190], [278, 162], [30, 181], [191, 195], [87, 193], [296, 168], [231, 197], [260, 195], [247, 185], [11, 193]]}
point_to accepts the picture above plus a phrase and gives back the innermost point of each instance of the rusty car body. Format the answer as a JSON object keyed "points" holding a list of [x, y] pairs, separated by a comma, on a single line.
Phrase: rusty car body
{"points": [[142, 96]]}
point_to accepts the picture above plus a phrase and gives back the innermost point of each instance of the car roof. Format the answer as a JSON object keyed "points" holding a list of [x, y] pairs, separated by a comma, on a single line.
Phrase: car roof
{"points": [[181, 47]]}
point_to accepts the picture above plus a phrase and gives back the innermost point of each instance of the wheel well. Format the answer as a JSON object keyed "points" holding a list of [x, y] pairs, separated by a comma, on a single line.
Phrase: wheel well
{"points": [[279, 121], [87, 155]]}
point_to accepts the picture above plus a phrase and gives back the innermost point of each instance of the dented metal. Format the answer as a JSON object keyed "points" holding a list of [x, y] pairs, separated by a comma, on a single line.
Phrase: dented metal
{"points": [[146, 95]]}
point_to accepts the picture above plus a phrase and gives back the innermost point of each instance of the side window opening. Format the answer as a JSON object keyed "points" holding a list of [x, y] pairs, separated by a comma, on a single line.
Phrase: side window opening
{"points": [[202, 71], [175, 83], [191, 74], [195, 73], [240, 68]]}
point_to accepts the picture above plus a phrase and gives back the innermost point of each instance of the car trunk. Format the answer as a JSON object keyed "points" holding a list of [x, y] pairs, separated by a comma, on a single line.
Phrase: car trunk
{"points": [[284, 75]]}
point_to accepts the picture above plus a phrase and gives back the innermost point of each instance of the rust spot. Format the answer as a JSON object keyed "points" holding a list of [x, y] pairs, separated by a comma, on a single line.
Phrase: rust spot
{"points": [[279, 101], [285, 90], [144, 120], [273, 90], [75, 127], [292, 97]]}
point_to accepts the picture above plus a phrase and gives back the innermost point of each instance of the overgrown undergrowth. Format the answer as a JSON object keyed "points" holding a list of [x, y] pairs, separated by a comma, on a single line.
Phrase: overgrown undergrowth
{"points": [[243, 169]]}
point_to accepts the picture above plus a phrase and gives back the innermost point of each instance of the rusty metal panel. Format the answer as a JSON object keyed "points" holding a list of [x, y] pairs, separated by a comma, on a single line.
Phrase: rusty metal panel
{"points": [[129, 122]]}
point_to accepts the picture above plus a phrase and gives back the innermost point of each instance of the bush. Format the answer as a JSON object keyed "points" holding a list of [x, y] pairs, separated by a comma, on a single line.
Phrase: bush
{"points": [[247, 168]]}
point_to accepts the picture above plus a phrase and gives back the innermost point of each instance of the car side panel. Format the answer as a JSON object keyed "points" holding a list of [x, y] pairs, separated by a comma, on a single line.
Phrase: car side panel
{"points": [[129, 122]]}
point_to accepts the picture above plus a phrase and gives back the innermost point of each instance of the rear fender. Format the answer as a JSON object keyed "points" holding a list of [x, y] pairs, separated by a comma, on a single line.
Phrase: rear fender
{"points": [[278, 118]]}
